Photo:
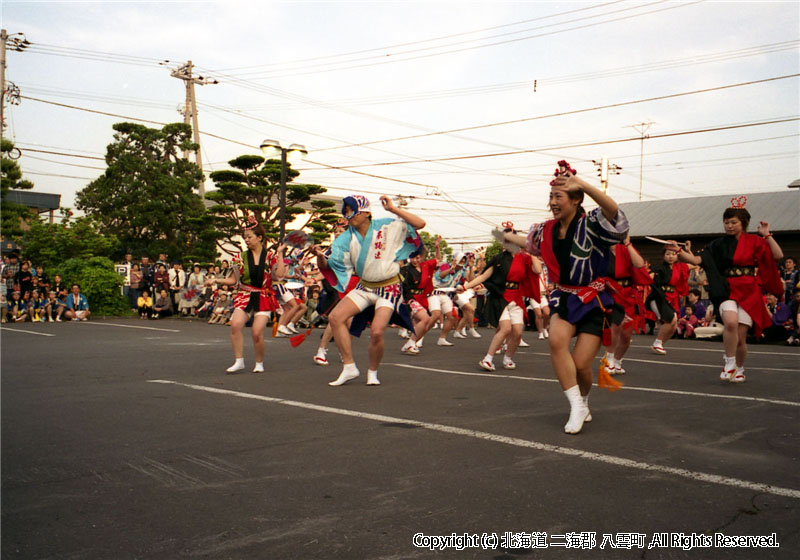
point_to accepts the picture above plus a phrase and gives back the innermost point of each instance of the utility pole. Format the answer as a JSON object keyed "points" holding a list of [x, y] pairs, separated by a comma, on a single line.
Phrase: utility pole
{"points": [[603, 169], [16, 42], [190, 108], [642, 129]]}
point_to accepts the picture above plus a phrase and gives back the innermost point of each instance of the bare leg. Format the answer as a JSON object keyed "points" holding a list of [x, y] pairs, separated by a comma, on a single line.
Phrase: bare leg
{"points": [[338, 321], [741, 349], [238, 322], [583, 355], [513, 338], [561, 333], [259, 323], [376, 343], [503, 330], [730, 336]]}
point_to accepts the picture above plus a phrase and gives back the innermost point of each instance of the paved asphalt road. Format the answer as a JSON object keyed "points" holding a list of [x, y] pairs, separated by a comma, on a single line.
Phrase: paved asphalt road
{"points": [[124, 439]]}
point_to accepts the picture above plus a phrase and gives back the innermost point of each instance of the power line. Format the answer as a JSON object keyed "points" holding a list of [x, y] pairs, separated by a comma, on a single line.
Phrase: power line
{"points": [[563, 113]]}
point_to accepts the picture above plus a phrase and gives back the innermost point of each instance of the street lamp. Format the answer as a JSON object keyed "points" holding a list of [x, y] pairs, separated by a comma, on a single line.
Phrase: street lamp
{"points": [[294, 152]]}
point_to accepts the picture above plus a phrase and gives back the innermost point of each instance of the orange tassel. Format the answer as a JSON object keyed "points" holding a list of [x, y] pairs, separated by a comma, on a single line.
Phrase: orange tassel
{"points": [[297, 340], [274, 329], [604, 379]]}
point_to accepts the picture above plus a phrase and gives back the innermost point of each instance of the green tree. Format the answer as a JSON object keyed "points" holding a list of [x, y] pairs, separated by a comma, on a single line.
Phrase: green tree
{"points": [[52, 244], [146, 197], [98, 282], [12, 214], [493, 249], [253, 187], [429, 241]]}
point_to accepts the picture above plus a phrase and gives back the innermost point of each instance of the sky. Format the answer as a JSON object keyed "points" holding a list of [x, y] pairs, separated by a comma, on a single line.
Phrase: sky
{"points": [[463, 108]]}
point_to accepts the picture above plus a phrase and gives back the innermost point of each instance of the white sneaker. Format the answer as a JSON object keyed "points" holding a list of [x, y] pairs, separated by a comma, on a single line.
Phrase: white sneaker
{"points": [[410, 348], [487, 365], [443, 342], [508, 363], [547, 333], [457, 334], [541, 335], [474, 334], [284, 331], [372, 378], [259, 367], [292, 328], [522, 344], [738, 376]]}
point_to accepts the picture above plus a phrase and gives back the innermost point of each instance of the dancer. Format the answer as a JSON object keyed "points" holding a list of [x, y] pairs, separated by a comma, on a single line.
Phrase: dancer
{"points": [[445, 279], [417, 286], [508, 277], [670, 285], [740, 266], [541, 306], [574, 246], [253, 278], [464, 300], [371, 249], [627, 268]]}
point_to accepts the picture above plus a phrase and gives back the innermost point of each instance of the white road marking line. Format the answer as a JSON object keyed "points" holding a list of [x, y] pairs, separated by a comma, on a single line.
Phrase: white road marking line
{"points": [[28, 332], [626, 387], [719, 350], [128, 326], [717, 366], [517, 442]]}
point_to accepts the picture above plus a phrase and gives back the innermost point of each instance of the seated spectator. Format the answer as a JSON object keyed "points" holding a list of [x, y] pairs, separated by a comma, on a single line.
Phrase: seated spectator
{"points": [[782, 326], [311, 317], [794, 337], [790, 276], [163, 305], [3, 305], [54, 307], [36, 305], [145, 305], [698, 308], [17, 311], [58, 286], [222, 309], [77, 305], [190, 295], [687, 323]]}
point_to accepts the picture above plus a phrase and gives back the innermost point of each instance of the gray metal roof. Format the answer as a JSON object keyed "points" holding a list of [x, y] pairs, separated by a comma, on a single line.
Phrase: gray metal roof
{"points": [[37, 200], [703, 215]]}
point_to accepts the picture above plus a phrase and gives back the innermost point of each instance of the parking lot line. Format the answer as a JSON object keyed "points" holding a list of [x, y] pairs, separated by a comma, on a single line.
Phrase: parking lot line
{"points": [[517, 442], [626, 387]]}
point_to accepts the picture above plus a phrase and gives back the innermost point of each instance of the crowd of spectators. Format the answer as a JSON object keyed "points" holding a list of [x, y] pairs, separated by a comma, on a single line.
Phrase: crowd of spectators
{"points": [[27, 293]]}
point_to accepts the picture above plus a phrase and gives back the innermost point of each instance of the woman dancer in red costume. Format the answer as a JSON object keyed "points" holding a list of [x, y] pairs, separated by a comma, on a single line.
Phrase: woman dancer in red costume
{"points": [[740, 266], [670, 285], [627, 269], [253, 278]]}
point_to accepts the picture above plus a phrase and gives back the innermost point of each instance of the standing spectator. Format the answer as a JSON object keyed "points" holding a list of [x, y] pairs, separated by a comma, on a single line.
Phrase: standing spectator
{"points": [[177, 279], [160, 279], [226, 270], [126, 287], [148, 272], [699, 281], [44, 281], [145, 305], [58, 286], [163, 305], [24, 278], [790, 276], [137, 282], [162, 259], [77, 305], [794, 337], [10, 270]]}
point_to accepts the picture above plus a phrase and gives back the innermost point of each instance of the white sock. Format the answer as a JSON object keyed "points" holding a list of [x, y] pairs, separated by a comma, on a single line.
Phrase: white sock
{"points": [[488, 358], [238, 365], [657, 343], [259, 367], [730, 363], [349, 372], [372, 377], [321, 352], [578, 410]]}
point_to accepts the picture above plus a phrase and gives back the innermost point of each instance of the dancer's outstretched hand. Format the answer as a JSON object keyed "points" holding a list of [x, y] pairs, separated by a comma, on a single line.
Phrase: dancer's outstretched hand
{"points": [[763, 229]]}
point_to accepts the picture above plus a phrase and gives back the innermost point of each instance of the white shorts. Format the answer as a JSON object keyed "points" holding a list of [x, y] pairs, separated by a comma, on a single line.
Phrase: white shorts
{"points": [[364, 299], [464, 298], [542, 303], [440, 302], [284, 296], [730, 305], [513, 313]]}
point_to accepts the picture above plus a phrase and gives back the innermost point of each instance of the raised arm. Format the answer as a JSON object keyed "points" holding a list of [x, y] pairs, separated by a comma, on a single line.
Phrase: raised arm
{"points": [[763, 231], [570, 182], [411, 219]]}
